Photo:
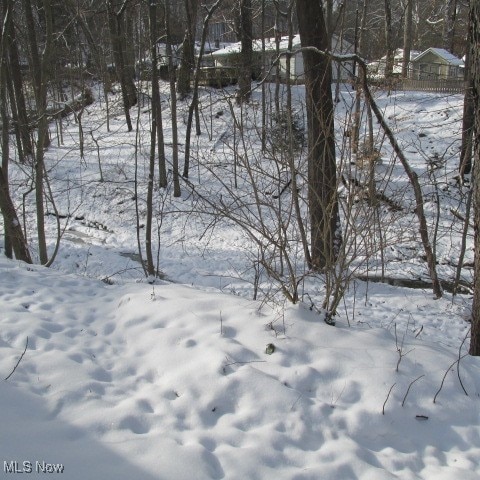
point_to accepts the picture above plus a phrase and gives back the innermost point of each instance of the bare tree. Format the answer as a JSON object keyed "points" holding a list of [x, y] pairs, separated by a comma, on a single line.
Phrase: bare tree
{"points": [[196, 79], [448, 33], [15, 241], [124, 74], [390, 50], [187, 61], [322, 180], [407, 36], [41, 69], [246, 54], [173, 104]]}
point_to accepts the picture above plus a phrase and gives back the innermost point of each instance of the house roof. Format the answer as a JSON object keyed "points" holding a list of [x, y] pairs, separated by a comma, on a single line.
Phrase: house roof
{"points": [[270, 46], [445, 55]]}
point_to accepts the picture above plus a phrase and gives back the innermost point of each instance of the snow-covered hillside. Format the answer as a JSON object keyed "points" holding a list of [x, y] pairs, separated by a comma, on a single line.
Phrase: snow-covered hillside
{"points": [[123, 379]]}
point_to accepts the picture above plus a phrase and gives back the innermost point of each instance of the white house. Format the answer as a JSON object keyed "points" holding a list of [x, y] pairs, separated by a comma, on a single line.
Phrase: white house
{"points": [[437, 64], [229, 57]]}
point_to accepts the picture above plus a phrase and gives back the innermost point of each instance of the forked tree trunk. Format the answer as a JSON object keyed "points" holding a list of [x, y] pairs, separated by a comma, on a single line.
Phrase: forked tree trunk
{"points": [[124, 74], [187, 62]]}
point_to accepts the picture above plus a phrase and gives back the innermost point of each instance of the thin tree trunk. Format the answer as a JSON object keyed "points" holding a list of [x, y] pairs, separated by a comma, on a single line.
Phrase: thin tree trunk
{"points": [[152, 16], [389, 62], [355, 134], [407, 37], [196, 78], [290, 152], [173, 104], [187, 62], [448, 33], [17, 98], [246, 54], [124, 74]]}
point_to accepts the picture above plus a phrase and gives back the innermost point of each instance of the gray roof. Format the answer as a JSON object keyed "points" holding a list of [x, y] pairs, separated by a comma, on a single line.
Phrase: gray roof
{"points": [[443, 54]]}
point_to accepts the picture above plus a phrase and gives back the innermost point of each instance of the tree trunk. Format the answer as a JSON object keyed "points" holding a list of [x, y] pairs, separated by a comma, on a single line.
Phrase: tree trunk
{"points": [[390, 60], [448, 33], [322, 179], [40, 72], [173, 105], [124, 74], [15, 241], [246, 54], [468, 119], [152, 17], [407, 37], [194, 104], [187, 62], [475, 65], [17, 98]]}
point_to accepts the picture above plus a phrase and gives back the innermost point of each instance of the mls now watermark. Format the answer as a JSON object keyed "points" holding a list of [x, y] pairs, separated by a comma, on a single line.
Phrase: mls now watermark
{"points": [[32, 467]]}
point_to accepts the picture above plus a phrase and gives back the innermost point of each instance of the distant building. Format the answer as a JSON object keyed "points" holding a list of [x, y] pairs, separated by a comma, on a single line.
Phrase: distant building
{"points": [[437, 64], [229, 56], [376, 69]]}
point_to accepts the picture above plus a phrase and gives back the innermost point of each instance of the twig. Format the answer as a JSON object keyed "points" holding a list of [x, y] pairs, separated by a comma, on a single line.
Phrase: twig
{"points": [[443, 379], [243, 363], [408, 389], [458, 362], [386, 400], [19, 360], [400, 348]]}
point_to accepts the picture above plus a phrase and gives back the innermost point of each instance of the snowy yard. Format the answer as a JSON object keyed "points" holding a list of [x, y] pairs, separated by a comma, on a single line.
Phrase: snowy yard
{"points": [[122, 379]]}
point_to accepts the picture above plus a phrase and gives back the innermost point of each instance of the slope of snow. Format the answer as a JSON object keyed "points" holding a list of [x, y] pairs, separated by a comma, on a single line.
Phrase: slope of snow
{"points": [[172, 381], [166, 381]]}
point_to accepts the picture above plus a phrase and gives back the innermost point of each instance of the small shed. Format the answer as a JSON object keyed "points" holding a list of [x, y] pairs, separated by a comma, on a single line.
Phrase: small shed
{"points": [[230, 57], [437, 64]]}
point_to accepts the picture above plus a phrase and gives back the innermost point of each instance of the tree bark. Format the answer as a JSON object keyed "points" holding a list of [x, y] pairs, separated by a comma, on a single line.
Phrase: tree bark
{"points": [[246, 54], [407, 37], [390, 60], [187, 62], [17, 98], [448, 33], [475, 65], [173, 105], [468, 119], [322, 176], [15, 241], [124, 74]]}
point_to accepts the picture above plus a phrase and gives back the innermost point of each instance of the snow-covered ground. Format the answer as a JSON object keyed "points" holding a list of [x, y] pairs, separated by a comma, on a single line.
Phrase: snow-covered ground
{"points": [[121, 379]]}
